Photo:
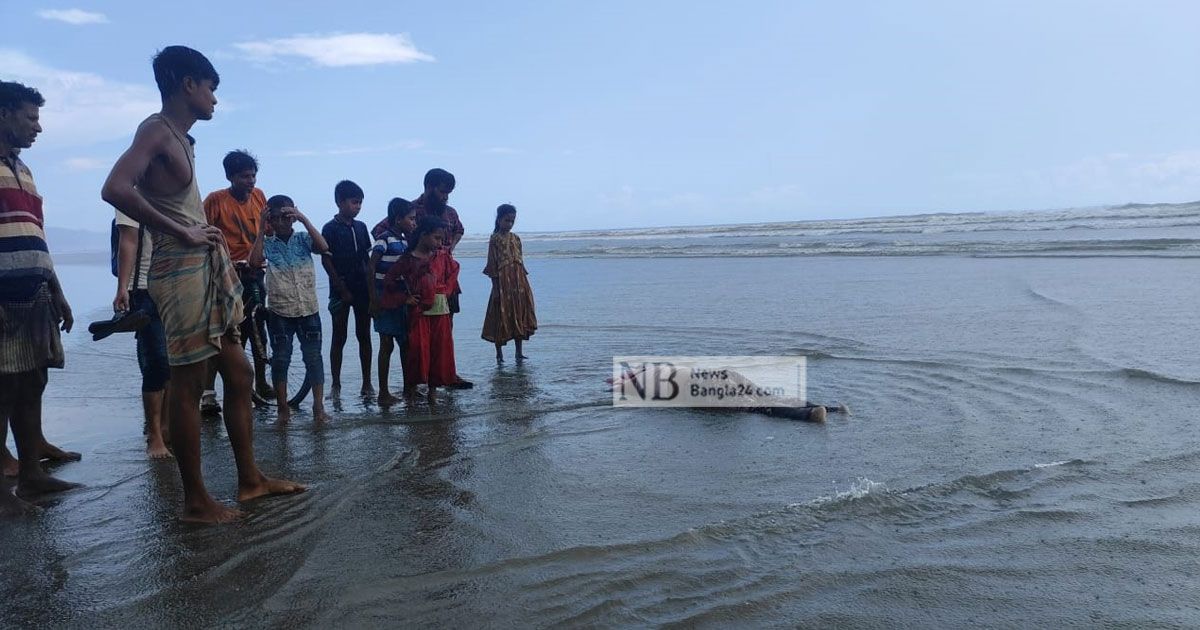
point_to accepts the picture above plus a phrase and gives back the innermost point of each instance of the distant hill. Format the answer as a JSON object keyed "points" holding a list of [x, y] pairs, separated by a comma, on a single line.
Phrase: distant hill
{"points": [[67, 240]]}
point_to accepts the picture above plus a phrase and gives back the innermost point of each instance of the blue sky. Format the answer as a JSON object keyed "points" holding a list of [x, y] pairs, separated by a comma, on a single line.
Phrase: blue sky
{"points": [[629, 114]]}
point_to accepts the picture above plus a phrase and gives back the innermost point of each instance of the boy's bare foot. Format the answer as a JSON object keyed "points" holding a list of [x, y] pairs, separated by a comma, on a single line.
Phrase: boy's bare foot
{"points": [[43, 484], [9, 465], [53, 453], [10, 505], [209, 512], [386, 398], [269, 487], [156, 449]]}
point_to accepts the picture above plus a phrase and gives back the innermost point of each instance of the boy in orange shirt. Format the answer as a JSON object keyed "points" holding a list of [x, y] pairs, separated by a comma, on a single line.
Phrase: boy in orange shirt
{"points": [[237, 212]]}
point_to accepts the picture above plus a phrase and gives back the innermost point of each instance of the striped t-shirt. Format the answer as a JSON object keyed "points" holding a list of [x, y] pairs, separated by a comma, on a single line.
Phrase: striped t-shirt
{"points": [[24, 257], [391, 247]]}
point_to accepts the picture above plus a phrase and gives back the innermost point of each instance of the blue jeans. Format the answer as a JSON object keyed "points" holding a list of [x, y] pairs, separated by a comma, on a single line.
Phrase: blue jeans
{"points": [[308, 329], [151, 344]]}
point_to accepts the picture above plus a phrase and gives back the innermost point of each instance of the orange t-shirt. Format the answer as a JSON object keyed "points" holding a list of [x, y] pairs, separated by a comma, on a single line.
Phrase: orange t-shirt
{"points": [[237, 221]]}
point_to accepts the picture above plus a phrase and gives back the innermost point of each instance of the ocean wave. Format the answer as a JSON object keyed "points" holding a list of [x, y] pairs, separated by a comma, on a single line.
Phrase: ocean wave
{"points": [[1129, 216], [1160, 247]]}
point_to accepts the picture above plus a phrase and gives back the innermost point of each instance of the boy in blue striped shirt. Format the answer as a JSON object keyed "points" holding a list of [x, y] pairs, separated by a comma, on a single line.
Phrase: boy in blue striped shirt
{"points": [[389, 304]]}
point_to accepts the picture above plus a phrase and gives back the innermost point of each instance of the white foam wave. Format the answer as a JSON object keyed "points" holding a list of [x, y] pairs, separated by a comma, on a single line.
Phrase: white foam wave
{"points": [[858, 489]]}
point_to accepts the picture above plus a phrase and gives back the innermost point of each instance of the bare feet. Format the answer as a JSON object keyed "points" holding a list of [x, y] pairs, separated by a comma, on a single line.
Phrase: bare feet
{"points": [[156, 449], [53, 453], [42, 484], [9, 466], [386, 398], [319, 416], [10, 505], [367, 390], [209, 511], [268, 487], [283, 414], [335, 392]]}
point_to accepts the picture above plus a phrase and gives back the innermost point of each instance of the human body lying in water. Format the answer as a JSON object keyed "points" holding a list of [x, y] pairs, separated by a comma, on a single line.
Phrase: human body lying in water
{"points": [[749, 396]]}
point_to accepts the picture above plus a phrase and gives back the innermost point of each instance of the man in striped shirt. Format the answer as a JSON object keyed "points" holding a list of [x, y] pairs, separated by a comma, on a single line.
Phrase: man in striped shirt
{"points": [[32, 305]]}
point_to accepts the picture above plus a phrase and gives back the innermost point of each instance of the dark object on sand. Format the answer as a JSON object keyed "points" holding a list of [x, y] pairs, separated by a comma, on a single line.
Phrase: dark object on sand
{"points": [[809, 413], [128, 321], [790, 408]]}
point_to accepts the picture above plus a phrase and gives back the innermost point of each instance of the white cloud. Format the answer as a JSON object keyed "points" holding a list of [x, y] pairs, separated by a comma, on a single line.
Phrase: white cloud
{"points": [[81, 108], [338, 49], [383, 148], [85, 164], [73, 16]]}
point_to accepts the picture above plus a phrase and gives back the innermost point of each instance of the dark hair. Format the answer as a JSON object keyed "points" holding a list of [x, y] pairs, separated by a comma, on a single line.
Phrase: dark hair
{"points": [[397, 209], [237, 161], [347, 189], [426, 225], [439, 178], [279, 202], [13, 95], [175, 63], [501, 211]]}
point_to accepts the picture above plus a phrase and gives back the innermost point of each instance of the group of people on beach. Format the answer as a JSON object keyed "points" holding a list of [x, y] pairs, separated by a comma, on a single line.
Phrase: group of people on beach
{"points": [[192, 275]]}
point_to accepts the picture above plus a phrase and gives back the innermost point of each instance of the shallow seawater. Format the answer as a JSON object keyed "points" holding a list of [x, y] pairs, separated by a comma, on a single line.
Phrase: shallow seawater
{"points": [[1021, 452]]}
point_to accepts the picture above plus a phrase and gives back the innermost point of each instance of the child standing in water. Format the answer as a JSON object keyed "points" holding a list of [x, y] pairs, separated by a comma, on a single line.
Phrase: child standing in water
{"points": [[431, 275], [346, 264], [510, 312], [390, 301], [292, 307]]}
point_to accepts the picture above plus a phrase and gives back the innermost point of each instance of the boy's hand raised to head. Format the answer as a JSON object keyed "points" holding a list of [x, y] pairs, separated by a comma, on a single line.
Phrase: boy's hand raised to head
{"points": [[297, 215]]}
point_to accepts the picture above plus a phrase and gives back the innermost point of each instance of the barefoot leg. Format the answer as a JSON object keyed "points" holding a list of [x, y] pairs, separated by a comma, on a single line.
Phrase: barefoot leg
{"points": [[237, 375], [283, 413], [500, 352], [26, 420], [384, 367], [187, 382], [318, 411], [152, 407], [281, 357], [341, 322], [362, 330]]}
